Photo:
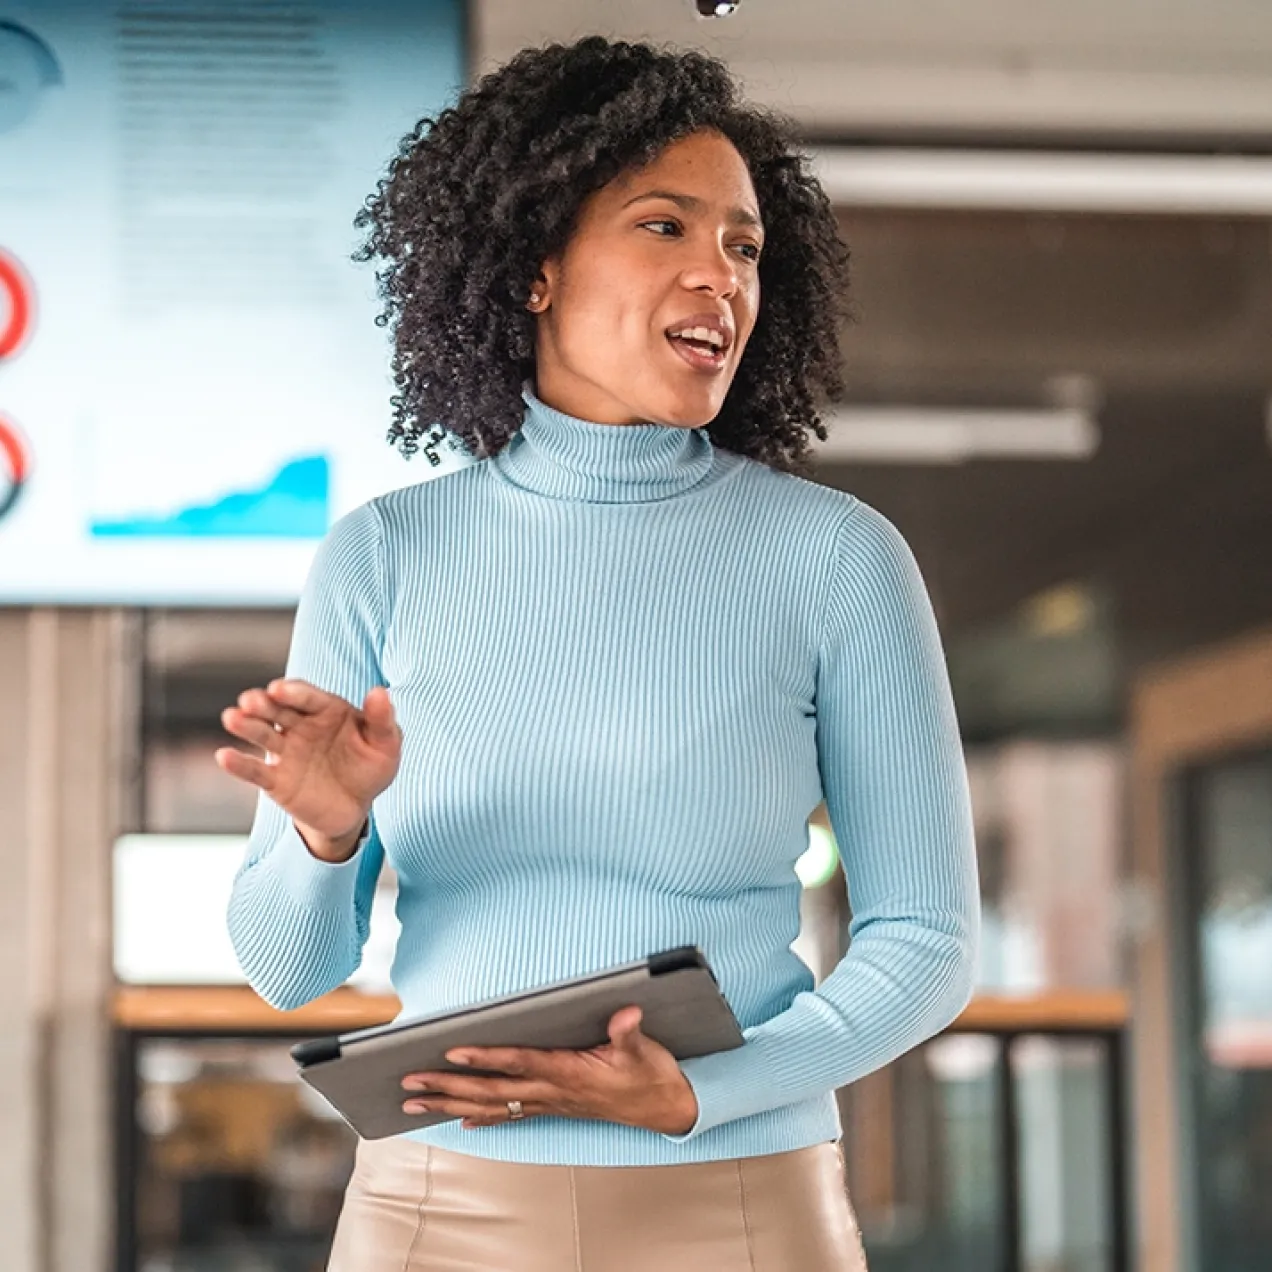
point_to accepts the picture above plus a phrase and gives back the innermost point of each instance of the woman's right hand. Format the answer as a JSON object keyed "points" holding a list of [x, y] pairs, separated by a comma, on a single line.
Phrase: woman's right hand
{"points": [[325, 760]]}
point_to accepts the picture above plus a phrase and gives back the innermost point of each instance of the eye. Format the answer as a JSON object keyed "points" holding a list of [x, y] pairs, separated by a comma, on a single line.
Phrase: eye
{"points": [[665, 227], [674, 226]]}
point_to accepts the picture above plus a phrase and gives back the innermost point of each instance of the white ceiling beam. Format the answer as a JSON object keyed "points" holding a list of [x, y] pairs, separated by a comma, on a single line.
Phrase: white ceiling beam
{"points": [[955, 435], [1038, 181]]}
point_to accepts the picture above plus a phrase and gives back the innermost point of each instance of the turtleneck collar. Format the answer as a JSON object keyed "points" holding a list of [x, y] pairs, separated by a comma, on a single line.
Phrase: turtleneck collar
{"points": [[562, 457]]}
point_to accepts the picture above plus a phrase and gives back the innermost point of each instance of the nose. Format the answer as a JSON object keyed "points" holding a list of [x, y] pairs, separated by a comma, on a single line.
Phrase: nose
{"points": [[713, 270]]}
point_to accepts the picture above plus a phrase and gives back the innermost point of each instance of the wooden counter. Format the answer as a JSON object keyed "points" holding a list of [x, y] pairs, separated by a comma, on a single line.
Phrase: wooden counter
{"points": [[1060, 1009], [238, 1009]]}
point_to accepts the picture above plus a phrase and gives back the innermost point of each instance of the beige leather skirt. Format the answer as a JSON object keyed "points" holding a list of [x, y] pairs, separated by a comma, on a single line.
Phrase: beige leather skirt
{"points": [[413, 1208]]}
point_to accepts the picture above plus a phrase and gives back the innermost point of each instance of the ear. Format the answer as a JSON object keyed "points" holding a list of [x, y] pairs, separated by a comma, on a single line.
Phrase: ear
{"points": [[541, 289]]}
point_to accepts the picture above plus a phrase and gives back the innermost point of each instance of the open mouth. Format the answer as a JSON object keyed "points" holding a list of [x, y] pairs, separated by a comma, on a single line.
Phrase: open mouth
{"points": [[703, 348]]}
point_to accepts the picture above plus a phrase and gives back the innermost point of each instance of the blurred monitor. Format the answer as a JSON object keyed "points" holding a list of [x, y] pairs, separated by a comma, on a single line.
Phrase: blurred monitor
{"points": [[192, 384], [170, 898]]}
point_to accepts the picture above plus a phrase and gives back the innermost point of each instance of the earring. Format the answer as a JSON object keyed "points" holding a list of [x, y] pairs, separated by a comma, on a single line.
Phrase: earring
{"points": [[534, 298]]}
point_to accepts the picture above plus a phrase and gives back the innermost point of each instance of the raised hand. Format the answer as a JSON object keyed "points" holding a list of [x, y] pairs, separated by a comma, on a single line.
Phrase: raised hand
{"points": [[324, 761]]}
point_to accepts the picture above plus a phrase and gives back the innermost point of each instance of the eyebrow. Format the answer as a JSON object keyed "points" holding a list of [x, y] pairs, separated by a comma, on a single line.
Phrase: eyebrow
{"points": [[691, 203]]}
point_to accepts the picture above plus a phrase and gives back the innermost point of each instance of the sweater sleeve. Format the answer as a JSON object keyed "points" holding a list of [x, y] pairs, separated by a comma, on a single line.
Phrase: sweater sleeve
{"points": [[297, 923], [895, 785]]}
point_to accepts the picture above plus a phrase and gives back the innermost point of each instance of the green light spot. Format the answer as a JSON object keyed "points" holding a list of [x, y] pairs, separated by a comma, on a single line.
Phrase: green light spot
{"points": [[817, 865]]}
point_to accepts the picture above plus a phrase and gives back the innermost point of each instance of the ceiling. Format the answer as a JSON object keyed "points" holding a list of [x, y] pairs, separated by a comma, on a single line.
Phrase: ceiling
{"points": [[1169, 321], [969, 305], [1178, 71], [1173, 517]]}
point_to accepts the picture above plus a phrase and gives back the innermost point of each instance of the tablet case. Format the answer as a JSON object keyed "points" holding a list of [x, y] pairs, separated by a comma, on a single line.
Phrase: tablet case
{"points": [[360, 1074]]}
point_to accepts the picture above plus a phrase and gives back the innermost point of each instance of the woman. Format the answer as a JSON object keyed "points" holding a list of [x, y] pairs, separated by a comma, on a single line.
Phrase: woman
{"points": [[584, 693]]}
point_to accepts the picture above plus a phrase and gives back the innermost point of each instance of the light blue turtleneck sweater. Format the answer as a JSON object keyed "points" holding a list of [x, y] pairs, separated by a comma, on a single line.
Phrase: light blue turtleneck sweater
{"points": [[628, 666]]}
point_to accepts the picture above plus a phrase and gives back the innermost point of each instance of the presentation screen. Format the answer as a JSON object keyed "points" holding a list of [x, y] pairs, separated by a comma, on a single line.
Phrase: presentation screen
{"points": [[192, 384]]}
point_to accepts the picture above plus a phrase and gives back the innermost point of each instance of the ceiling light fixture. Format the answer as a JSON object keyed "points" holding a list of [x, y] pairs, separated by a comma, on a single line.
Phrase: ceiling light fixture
{"points": [[947, 435], [1041, 181]]}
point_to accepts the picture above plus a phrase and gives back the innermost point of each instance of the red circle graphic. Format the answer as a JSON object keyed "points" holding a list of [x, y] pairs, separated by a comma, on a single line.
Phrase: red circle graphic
{"points": [[17, 286], [15, 464]]}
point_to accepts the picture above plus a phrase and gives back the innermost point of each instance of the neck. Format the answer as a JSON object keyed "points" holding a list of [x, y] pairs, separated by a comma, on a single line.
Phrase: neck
{"points": [[568, 457], [582, 401]]}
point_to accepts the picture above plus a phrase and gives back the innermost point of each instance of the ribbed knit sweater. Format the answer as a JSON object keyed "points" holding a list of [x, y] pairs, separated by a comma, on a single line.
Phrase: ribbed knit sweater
{"points": [[628, 665]]}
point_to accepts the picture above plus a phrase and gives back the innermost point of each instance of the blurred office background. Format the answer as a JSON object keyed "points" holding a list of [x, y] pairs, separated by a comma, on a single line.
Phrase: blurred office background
{"points": [[1060, 370]]}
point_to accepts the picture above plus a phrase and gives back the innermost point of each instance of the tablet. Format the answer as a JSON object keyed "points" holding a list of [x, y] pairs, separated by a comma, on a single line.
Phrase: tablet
{"points": [[360, 1074]]}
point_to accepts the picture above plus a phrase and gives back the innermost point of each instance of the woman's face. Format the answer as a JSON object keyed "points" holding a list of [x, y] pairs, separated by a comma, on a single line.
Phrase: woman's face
{"points": [[644, 316]]}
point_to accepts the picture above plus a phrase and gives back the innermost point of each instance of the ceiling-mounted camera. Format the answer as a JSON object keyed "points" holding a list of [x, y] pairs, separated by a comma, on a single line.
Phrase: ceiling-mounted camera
{"points": [[716, 8]]}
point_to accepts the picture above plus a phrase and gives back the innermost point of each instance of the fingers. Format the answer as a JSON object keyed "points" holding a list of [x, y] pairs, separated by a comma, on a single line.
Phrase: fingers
{"points": [[624, 1029], [492, 1119], [247, 768], [288, 702], [515, 1062], [491, 1093], [472, 1113], [261, 714], [259, 719], [484, 1100], [263, 706], [299, 695], [380, 724], [252, 729]]}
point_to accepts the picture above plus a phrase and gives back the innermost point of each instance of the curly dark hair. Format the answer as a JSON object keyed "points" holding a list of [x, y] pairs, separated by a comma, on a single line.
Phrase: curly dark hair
{"points": [[475, 201]]}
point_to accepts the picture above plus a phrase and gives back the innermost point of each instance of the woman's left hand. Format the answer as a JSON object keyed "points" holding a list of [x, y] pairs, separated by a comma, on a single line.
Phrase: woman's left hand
{"points": [[632, 1080]]}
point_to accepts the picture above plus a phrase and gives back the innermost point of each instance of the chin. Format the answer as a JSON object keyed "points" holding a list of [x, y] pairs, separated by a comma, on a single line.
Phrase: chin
{"points": [[690, 411]]}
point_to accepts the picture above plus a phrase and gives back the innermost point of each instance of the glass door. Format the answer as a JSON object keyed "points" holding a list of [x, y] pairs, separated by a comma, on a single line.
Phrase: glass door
{"points": [[1227, 868], [1200, 908]]}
